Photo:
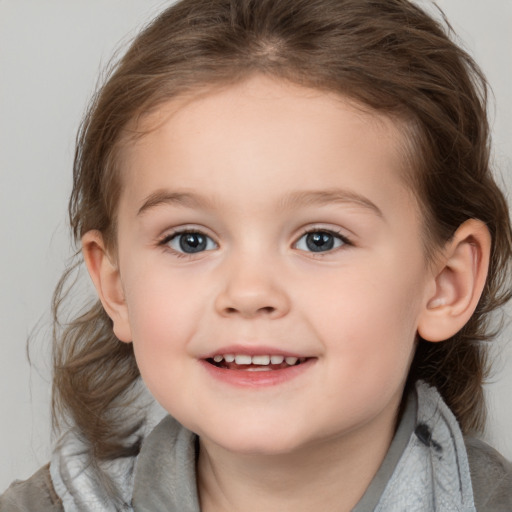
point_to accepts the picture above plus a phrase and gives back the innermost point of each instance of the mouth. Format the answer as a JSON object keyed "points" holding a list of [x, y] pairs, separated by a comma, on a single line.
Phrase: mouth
{"points": [[255, 363]]}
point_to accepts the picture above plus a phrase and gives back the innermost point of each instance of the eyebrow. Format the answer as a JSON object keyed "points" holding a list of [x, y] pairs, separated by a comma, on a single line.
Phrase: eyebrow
{"points": [[165, 197], [294, 200], [330, 196]]}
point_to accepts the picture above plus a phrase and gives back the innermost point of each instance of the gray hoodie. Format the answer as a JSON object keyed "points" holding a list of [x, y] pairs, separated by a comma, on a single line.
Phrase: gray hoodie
{"points": [[429, 467]]}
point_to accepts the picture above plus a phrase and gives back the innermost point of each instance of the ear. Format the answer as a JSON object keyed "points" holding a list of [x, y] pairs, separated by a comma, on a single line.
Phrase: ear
{"points": [[105, 275], [458, 282]]}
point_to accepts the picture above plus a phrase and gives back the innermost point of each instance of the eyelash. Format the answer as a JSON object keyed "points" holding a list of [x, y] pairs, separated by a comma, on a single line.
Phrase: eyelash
{"points": [[164, 242], [335, 234]]}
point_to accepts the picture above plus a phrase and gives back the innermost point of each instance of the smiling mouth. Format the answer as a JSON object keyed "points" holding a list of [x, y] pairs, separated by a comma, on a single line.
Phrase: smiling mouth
{"points": [[259, 363]]}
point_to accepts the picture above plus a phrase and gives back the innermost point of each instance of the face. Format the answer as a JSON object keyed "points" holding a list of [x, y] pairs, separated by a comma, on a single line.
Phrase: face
{"points": [[271, 264]]}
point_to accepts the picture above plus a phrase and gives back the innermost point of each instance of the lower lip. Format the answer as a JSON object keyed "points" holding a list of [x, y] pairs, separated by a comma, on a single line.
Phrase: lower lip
{"points": [[257, 379]]}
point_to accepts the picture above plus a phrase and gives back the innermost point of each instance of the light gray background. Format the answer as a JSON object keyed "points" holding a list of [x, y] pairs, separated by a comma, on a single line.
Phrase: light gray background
{"points": [[51, 52]]}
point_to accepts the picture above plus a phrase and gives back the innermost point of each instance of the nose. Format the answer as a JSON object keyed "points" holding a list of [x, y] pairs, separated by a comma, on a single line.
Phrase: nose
{"points": [[252, 289]]}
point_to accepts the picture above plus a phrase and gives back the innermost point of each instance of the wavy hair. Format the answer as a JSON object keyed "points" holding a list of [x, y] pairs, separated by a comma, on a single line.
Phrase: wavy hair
{"points": [[387, 55]]}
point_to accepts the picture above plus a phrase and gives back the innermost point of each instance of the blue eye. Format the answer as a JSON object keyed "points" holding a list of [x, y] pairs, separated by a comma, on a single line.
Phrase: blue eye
{"points": [[320, 241], [190, 242]]}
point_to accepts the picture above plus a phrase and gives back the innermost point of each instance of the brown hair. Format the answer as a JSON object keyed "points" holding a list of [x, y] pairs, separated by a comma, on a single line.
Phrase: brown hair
{"points": [[385, 54]]}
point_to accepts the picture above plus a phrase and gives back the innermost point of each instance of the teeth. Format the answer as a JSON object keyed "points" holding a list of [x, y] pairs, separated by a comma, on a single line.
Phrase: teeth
{"points": [[260, 360], [243, 359], [263, 360]]}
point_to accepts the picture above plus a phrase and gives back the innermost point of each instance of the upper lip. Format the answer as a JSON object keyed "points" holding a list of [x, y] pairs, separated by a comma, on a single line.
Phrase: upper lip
{"points": [[253, 350]]}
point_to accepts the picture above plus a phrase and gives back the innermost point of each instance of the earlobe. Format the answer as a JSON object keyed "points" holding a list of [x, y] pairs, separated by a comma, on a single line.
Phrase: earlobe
{"points": [[457, 283], [105, 275]]}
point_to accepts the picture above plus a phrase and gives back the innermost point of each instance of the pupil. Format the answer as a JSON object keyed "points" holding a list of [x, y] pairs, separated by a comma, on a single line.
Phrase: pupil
{"points": [[192, 242], [318, 242]]}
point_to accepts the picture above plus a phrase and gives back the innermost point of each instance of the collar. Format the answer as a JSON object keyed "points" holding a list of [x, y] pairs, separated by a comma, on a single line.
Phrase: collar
{"points": [[425, 469]]}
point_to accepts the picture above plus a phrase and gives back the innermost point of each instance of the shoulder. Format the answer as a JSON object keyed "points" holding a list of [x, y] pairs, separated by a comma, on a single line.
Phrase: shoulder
{"points": [[36, 493], [491, 476]]}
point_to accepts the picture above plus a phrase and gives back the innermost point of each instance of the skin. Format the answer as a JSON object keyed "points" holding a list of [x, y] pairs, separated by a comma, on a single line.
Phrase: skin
{"points": [[253, 167]]}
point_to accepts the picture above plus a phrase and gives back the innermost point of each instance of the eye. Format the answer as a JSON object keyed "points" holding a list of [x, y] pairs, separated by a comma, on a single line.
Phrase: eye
{"points": [[320, 241], [189, 242]]}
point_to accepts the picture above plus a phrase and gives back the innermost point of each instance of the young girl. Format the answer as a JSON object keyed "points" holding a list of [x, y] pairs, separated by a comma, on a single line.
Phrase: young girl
{"points": [[287, 211]]}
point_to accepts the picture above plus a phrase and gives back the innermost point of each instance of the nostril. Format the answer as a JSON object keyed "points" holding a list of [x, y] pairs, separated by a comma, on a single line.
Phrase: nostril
{"points": [[267, 310], [249, 303]]}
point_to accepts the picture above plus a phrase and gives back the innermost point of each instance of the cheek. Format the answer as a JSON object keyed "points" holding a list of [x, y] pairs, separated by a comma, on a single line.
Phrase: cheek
{"points": [[163, 315], [160, 340], [368, 317], [160, 302]]}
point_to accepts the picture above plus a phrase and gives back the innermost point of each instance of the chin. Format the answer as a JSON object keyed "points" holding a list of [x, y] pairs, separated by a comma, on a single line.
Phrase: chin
{"points": [[267, 441]]}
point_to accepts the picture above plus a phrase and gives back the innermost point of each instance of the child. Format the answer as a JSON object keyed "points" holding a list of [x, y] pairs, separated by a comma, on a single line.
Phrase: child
{"points": [[287, 211]]}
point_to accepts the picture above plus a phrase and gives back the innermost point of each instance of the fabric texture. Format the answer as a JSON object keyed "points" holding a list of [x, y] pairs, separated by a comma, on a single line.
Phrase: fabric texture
{"points": [[491, 475], [36, 494], [433, 472], [429, 468]]}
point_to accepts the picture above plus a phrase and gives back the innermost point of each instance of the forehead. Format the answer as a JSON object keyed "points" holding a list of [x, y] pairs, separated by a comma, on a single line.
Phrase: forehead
{"points": [[273, 135]]}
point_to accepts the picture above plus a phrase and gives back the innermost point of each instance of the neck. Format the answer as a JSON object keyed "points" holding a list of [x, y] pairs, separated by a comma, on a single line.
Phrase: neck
{"points": [[329, 475]]}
